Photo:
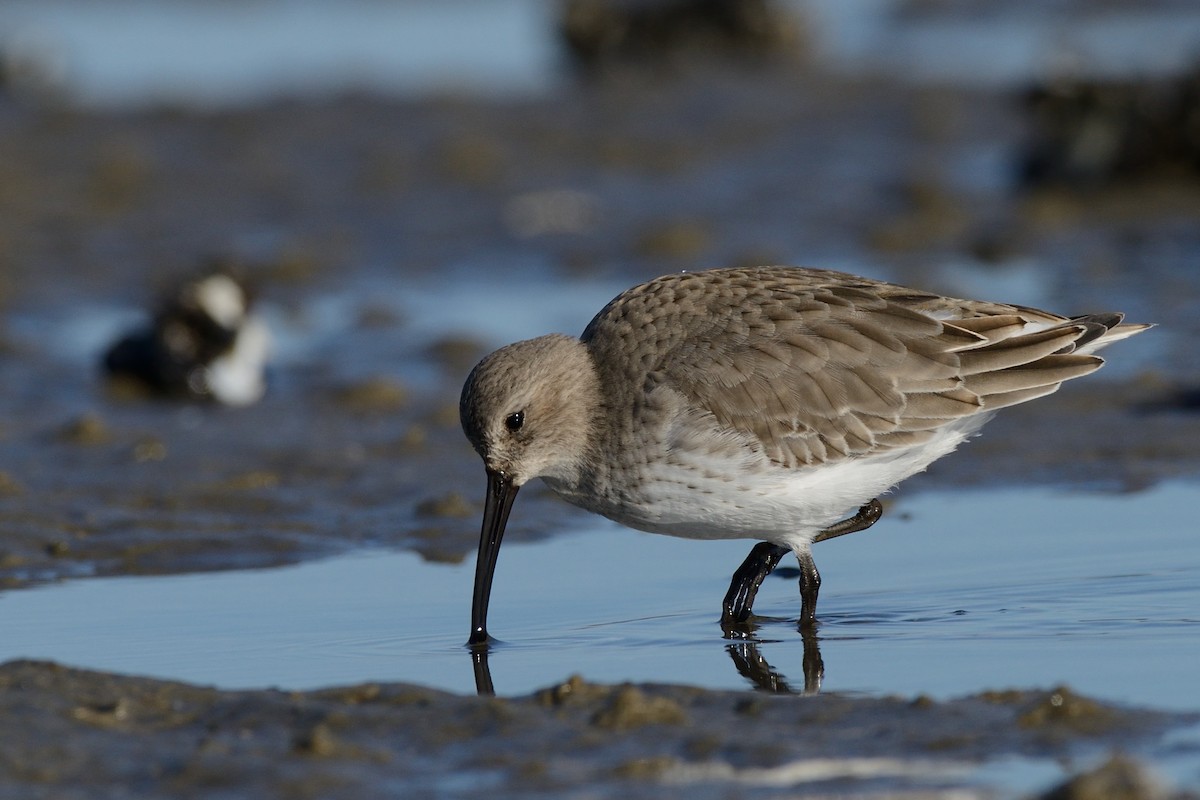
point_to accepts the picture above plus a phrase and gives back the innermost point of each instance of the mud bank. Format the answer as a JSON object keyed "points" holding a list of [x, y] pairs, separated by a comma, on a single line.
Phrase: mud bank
{"points": [[72, 733]]}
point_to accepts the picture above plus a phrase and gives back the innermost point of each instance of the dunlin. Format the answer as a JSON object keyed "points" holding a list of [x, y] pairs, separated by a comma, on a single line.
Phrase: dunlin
{"points": [[765, 403]]}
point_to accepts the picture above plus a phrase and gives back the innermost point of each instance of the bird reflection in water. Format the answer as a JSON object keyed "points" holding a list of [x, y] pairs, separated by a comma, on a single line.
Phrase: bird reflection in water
{"points": [[748, 660], [483, 674], [742, 647]]}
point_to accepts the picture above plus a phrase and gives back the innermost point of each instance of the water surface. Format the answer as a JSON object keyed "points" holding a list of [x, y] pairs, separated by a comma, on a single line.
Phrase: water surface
{"points": [[950, 594], [123, 53]]}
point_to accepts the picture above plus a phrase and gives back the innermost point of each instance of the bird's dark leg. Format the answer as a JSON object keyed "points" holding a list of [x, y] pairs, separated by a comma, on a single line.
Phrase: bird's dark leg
{"points": [[810, 578], [867, 516], [810, 586], [749, 576], [765, 556]]}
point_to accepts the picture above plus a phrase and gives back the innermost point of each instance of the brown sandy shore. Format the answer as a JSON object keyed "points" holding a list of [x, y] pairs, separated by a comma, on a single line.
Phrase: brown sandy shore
{"points": [[107, 207]]}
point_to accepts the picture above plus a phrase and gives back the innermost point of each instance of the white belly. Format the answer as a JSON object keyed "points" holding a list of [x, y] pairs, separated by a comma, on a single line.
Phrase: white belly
{"points": [[695, 496]]}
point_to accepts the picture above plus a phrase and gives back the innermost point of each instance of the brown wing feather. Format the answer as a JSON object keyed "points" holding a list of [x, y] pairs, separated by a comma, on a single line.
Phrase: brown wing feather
{"points": [[819, 366]]}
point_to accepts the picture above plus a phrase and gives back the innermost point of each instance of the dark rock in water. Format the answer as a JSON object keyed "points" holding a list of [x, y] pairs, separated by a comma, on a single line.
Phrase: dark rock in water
{"points": [[202, 344], [1090, 133], [597, 33], [1119, 778]]}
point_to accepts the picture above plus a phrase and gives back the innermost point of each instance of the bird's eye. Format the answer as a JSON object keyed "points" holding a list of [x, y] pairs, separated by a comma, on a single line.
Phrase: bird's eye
{"points": [[514, 421]]}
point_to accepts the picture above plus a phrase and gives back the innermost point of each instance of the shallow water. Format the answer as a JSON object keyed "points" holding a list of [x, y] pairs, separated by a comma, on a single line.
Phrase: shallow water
{"points": [[952, 593], [127, 52], [124, 53]]}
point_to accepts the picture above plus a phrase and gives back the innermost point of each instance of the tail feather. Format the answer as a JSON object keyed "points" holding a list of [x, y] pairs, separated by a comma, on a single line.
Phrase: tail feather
{"points": [[1021, 362], [1114, 334], [1005, 399], [1026, 348], [1053, 369]]}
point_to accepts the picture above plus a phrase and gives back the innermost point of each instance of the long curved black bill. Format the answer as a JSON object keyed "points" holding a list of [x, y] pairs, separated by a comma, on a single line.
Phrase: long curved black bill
{"points": [[500, 495]]}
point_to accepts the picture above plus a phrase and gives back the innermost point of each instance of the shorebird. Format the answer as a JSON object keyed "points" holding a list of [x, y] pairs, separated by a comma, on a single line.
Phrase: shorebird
{"points": [[204, 343], [762, 403]]}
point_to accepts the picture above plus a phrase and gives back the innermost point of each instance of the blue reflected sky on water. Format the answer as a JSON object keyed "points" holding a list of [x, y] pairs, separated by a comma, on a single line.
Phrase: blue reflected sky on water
{"points": [[130, 52], [952, 593]]}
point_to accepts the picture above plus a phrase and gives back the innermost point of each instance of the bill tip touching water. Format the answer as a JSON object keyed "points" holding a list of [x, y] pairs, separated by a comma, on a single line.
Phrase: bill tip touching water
{"points": [[773, 404]]}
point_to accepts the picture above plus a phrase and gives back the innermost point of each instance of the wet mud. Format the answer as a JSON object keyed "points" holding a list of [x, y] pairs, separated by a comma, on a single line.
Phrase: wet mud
{"points": [[357, 441], [88, 734]]}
